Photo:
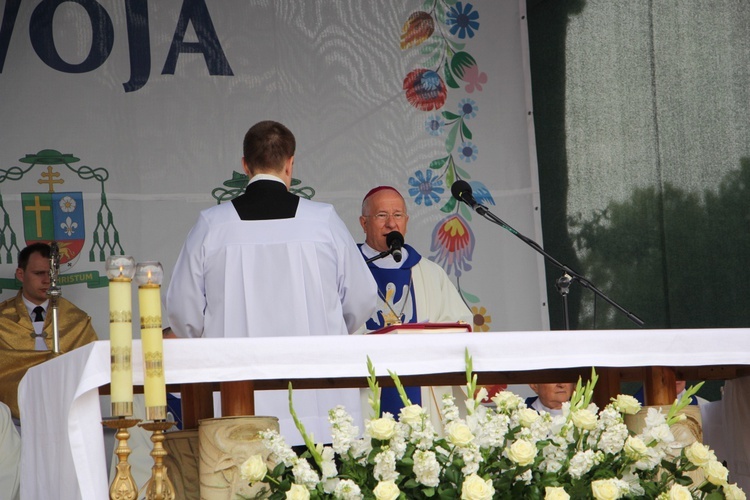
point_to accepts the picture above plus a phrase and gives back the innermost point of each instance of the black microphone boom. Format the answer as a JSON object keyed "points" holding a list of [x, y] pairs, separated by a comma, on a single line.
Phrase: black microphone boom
{"points": [[395, 242], [461, 190]]}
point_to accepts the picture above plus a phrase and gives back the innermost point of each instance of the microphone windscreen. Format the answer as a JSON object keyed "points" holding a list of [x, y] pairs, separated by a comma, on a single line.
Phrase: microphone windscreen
{"points": [[460, 188], [394, 238]]}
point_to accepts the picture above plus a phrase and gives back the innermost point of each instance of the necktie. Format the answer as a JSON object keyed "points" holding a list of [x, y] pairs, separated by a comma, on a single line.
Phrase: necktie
{"points": [[38, 313]]}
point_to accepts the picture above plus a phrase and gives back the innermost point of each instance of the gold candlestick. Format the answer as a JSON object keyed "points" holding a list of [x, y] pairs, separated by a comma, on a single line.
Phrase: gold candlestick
{"points": [[159, 487], [123, 485]]}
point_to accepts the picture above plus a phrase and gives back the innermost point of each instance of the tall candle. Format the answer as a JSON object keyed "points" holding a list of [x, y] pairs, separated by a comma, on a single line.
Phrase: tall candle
{"points": [[120, 270], [149, 276]]}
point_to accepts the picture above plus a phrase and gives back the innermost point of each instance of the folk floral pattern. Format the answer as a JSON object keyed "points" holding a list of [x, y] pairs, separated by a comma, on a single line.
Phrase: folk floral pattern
{"points": [[449, 73]]}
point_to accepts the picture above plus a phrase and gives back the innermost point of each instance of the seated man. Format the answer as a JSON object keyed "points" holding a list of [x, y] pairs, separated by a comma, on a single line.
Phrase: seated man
{"points": [[411, 290], [550, 397], [26, 328]]}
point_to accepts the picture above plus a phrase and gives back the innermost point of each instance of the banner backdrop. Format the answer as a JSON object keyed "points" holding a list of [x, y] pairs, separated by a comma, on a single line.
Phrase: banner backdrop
{"points": [[123, 119]]}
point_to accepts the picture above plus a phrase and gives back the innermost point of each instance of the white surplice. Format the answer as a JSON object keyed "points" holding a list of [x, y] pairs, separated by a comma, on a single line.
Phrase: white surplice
{"points": [[302, 276]]}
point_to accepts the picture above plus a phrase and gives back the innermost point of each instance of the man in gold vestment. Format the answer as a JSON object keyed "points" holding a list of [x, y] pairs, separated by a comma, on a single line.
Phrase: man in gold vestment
{"points": [[26, 328]]}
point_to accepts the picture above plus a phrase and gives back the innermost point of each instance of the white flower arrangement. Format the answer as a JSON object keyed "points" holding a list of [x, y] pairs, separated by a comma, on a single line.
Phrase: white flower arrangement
{"points": [[506, 452]]}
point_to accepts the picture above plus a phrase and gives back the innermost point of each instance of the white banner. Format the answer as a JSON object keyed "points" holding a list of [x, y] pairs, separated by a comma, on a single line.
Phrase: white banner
{"points": [[123, 119]]}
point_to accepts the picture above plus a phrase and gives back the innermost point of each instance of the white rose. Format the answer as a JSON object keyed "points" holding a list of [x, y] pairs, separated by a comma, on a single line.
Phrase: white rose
{"points": [[555, 493], [460, 434], [254, 469], [716, 473], [699, 454], [605, 489], [522, 452], [679, 492], [411, 414], [476, 488], [381, 428], [733, 492], [528, 416], [627, 404], [635, 448], [584, 419], [386, 490], [506, 399], [298, 492]]}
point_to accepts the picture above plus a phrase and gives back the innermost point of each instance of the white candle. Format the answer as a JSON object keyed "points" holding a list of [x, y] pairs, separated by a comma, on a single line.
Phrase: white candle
{"points": [[148, 275], [120, 271]]}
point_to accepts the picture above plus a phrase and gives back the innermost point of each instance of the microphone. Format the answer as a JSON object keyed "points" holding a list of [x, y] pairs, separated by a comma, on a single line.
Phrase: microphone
{"points": [[395, 241], [461, 190]]}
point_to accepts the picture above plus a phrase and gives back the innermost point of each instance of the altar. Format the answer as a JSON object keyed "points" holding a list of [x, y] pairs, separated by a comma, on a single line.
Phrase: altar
{"points": [[63, 446]]}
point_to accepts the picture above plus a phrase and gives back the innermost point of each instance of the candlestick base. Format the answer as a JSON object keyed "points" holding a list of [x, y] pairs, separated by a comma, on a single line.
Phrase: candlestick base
{"points": [[159, 487], [123, 485]]}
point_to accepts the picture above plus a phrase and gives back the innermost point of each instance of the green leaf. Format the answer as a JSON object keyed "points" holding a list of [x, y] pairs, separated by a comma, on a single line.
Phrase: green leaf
{"points": [[460, 62], [432, 60], [450, 177], [426, 48], [439, 162], [450, 141], [465, 130], [450, 116], [463, 173], [449, 79], [429, 492], [465, 212], [469, 297], [448, 207]]}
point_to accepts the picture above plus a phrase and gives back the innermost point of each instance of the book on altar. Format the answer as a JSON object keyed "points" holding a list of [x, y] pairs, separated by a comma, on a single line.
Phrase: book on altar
{"points": [[458, 327]]}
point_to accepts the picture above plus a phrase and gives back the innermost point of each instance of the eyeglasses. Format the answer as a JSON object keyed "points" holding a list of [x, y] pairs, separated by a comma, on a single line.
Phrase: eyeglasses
{"points": [[383, 216]]}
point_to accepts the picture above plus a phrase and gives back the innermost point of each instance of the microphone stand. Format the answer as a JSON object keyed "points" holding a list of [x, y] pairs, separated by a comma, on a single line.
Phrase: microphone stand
{"points": [[379, 256], [569, 276], [54, 292]]}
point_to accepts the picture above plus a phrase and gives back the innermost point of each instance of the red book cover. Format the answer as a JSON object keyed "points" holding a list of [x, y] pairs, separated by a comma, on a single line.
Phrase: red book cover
{"points": [[425, 328]]}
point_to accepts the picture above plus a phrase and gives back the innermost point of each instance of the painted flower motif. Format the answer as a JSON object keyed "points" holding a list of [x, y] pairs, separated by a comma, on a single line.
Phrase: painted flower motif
{"points": [[468, 152], [425, 89], [474, 79], [462, 20], [468, 108], [482, 320], [453, 242], [481, 193], [425, 188], [69, 226], [434, 125], [67, 204], [418, 28]]}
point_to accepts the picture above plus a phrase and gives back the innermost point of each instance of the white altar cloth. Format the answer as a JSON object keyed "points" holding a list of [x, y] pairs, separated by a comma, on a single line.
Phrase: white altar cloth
{"points": [[62, 443]]}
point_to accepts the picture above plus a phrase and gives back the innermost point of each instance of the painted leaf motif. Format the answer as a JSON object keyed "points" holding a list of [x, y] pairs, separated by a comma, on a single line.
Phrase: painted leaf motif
{"points": [[461, 61], [469, 297], [418, 28], [448, 207], [465, 130], [449, 80], [439, 162], [450, 141]]}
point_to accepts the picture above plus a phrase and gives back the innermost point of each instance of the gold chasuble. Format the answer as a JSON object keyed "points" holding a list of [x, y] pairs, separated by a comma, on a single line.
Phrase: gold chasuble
{"points": [[17, 352]]}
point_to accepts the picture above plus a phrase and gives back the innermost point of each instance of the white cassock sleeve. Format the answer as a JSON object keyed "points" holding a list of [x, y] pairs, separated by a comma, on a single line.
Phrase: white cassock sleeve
{"points": [[186, 295], [10, 456]]}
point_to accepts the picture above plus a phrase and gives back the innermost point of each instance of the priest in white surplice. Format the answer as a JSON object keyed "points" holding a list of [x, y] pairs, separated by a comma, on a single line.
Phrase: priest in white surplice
{"points": [[273, 264]]}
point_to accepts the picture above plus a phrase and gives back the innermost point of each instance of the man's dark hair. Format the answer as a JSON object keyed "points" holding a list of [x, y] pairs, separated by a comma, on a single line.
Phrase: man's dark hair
{"points": [[25, 254], [267, 146]]}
